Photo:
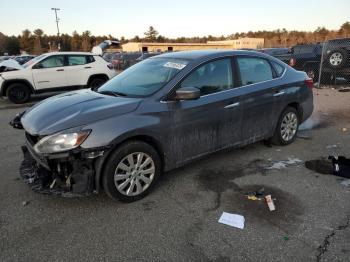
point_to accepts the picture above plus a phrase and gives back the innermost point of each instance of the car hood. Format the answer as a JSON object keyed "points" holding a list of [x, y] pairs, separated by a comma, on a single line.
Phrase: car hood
{"points": [[74, 109]]}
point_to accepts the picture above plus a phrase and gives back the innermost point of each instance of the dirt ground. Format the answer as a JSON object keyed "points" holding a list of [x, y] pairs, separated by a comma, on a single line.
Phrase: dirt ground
{"points": [[178, 221]]}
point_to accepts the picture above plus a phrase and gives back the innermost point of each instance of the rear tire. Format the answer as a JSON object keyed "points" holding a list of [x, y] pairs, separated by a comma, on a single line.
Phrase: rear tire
{"points": [[131, 171], [96, 83], [287, 127], [18, 93]]}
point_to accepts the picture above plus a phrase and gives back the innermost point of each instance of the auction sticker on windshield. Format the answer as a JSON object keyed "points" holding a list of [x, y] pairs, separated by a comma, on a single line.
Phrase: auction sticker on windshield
{"points": [[178, 66]]}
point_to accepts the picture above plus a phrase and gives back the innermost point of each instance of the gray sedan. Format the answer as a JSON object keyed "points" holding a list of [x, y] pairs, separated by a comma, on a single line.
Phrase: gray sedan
{"points": [[159, 115]]}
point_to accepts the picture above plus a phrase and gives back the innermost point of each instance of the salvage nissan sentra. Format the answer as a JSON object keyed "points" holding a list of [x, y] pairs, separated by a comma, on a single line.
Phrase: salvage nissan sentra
{"points": [[159, 115]]}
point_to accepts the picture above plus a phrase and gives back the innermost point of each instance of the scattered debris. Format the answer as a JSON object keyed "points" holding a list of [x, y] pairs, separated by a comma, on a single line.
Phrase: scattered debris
{"points": [[321, 166], [334, 165], [345, 182], [256, 195], [232, 220], [270, 203], [341, 166], [344, 89], [278, 150], [24, 203], [344, 129], [331, 146], [286, 238], [285, 163]]}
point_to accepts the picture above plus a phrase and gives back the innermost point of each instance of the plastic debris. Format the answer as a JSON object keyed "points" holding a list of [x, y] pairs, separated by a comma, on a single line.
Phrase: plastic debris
{"points": [[286, 238], [232, 220], [344, 129], [285, 163], [270, 203], [24, 203], [345, 182], [256, 195]]}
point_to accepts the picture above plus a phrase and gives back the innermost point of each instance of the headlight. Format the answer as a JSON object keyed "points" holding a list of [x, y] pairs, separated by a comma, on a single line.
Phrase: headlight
{"points": [[61, 142]]}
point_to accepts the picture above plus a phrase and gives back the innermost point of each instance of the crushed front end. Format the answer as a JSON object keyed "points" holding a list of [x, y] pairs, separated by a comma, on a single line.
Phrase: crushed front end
{"points": [[70, 173]]}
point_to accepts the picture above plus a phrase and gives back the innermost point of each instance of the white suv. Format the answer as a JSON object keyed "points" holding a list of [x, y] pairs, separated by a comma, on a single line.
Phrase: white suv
{"points": [[53, 72]]}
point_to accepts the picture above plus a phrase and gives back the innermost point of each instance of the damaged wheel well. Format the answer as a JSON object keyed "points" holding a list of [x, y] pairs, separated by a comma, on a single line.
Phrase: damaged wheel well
{"points": [[298, 108], [100, 166]]}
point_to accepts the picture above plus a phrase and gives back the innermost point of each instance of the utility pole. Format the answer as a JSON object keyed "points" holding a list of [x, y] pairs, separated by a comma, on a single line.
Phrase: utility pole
{"points": [[58, 30]]}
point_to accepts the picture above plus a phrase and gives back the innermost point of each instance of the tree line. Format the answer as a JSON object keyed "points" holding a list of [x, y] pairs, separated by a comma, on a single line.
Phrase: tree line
{"points": [[38, 42]]}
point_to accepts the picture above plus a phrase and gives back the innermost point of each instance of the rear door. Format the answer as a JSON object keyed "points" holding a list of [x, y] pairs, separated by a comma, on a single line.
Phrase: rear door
{"points": [[50, 73], [79, 68], [262, 96], [214, 120]]}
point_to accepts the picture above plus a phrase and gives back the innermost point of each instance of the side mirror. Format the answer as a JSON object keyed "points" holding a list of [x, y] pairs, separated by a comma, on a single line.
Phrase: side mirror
{"points": [[187, 93]]}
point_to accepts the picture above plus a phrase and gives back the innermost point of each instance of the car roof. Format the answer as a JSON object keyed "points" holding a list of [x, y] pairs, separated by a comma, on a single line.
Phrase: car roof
{"points": [[69, 53], [198, 54]]}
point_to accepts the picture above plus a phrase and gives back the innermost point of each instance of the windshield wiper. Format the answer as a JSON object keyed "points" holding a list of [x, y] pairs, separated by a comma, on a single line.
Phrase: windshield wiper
{"points": [[111, 93]]}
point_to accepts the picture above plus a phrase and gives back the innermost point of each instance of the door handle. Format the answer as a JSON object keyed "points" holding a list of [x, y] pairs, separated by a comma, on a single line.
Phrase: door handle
{"points": [[60, 70], [87, 67], [232, 105], [279, 93]]}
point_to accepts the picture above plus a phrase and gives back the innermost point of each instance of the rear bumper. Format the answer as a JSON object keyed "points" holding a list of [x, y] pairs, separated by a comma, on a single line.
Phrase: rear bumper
{"points": [[70, 179]]}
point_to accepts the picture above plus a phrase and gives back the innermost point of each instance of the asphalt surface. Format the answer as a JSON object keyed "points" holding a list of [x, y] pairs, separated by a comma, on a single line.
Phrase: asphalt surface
{"points": [[178, 221]]}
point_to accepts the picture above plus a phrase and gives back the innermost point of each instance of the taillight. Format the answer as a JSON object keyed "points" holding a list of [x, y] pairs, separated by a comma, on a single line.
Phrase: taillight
{"points": [[309, 83], [292, 62]]}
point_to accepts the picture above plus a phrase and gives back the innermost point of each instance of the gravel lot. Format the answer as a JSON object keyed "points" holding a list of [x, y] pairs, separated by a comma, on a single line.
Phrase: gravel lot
{"points": [[178, 221]]}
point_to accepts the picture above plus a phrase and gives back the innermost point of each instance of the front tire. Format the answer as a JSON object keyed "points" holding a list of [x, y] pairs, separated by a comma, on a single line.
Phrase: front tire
{"points": [[131, 171], [287, 127], [18, 93]]}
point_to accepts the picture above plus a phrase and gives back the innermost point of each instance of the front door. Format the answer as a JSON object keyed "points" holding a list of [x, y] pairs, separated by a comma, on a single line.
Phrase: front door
{"points": [[211, 122], [50, 73]]}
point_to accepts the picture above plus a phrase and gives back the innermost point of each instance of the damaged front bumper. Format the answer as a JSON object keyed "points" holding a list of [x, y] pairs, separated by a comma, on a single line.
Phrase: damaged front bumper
{"points": [[67, 176]]}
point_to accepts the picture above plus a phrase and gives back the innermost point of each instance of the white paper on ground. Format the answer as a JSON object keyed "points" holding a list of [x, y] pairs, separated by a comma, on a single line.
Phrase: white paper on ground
{"points": [[232, 220]]}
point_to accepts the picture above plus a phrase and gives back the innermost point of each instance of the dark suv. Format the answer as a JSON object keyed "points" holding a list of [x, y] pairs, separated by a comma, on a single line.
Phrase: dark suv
{"points": [[336, 59], [159, 115]]}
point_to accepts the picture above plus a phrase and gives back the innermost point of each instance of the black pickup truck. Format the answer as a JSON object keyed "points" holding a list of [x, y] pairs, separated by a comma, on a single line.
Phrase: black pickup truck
{"points": [[336, 59]]}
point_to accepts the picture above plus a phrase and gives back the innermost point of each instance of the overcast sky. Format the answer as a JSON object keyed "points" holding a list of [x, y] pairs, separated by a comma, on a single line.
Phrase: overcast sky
{"points": [[171, 18]]}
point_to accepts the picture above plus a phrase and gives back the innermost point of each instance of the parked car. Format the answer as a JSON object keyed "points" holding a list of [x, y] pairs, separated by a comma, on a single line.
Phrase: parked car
{"points": [[55, 71], [283, 54], [159, 115], [336, 62], [22, 59], [5, 57], [122, 60]]}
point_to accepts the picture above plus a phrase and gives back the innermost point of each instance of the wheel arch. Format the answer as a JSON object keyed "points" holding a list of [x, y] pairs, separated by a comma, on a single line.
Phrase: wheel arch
{"points": [[297, 107], [100, 163], [94, 76], [7, 83]]}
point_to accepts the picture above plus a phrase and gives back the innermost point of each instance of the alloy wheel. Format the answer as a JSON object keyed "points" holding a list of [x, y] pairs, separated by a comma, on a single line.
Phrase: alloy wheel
{"points": [[289, 126], [134, 174], [336, 58]]}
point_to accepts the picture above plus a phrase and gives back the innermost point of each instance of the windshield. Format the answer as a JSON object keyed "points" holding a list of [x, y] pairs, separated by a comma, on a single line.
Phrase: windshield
{"points": [[145, 77], [34, 60]]}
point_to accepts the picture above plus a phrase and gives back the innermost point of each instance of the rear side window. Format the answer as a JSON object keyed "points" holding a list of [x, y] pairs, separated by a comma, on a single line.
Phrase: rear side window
{"points": [[77, 60], [278, 68], [212, 77], [254, 70], [307, 49]]}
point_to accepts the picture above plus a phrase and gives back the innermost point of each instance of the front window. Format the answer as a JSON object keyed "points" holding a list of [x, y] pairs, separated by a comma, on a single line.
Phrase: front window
{"points": [[145, 77], [34, 60], [212, 77]]}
